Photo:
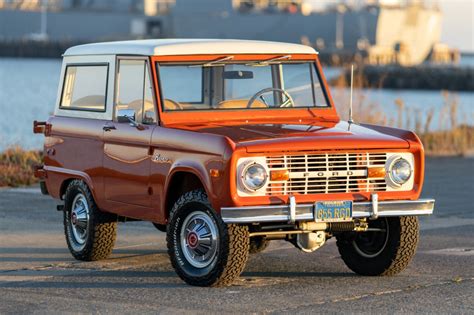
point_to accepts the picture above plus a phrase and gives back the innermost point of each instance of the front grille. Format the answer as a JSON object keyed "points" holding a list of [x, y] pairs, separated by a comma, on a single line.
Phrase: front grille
{"points": [[326, 173]]}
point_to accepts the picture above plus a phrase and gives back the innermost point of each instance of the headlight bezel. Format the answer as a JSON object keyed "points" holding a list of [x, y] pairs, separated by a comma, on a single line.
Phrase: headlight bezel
{"points": [[391, 179], [244, 172], [244, 163]]}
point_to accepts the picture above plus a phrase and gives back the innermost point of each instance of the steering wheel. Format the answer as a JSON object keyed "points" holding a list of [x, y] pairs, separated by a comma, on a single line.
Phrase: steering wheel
{"points": [[288, 103], [174, 103]]}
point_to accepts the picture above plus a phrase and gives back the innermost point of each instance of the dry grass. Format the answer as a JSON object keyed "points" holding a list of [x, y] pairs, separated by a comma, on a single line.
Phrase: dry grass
{"points": [[457, 141], [450, 138], [17, 167]]}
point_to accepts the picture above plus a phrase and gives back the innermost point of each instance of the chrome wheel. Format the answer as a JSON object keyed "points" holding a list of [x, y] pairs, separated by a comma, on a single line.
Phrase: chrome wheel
{"points": [[79, 221], [199, 239], [370, 244]]}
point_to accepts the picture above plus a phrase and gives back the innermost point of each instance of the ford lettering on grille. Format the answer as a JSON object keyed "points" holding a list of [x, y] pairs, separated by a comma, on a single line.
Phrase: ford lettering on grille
{"points": [[326, 173]]}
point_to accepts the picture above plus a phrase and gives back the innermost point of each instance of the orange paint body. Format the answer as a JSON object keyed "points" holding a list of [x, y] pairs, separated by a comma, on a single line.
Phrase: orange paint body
{"points": [[130, 171]]}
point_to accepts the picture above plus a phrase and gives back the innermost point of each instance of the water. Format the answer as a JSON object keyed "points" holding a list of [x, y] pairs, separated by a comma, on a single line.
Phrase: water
{"points": [[467, 60], [28, 90], [417, 104]]}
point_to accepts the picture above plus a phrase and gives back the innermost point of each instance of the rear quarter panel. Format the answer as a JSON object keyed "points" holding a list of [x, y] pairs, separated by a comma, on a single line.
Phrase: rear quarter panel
{"points": [[74, 149]]}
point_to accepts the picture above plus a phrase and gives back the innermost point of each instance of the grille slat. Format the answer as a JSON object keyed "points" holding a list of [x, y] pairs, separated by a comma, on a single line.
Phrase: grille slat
{"points": [[326, 173]]}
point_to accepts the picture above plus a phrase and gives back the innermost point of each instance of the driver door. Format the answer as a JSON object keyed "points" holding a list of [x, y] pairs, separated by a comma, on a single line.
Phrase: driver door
{"points": [[127, 138]]}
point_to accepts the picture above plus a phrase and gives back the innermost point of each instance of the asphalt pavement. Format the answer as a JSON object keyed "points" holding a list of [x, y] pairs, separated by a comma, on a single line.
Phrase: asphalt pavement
{"points": [[38, 275]]}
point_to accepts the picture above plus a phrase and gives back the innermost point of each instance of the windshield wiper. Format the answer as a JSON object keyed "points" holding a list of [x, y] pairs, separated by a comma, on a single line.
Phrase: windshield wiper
{"points": [[269, 61], [214, 63]]}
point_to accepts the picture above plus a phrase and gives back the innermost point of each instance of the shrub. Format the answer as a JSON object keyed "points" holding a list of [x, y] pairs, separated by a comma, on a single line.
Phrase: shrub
{"points": [[17, 167]]}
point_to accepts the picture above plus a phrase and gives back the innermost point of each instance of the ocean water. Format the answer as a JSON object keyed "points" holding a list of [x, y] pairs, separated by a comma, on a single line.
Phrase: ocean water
{"points": [[28, 90]]}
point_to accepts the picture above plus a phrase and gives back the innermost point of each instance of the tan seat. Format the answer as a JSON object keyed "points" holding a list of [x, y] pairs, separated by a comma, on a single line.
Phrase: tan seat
{"points": [[241, 104]]}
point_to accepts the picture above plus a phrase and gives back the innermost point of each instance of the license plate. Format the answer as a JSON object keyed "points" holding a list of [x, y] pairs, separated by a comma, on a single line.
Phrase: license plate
{"points": [[333, 211]]}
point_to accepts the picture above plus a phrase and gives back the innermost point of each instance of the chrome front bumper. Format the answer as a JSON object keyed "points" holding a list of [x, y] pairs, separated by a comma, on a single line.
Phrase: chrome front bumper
{"points": [[305, 212]]}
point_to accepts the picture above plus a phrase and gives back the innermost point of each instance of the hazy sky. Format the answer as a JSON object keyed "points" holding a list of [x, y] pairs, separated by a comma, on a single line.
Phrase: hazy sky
{"points": [[458, 21]]}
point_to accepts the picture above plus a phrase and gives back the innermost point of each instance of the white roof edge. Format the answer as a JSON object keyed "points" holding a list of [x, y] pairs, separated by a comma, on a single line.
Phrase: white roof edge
{"points": [[180, 47]]}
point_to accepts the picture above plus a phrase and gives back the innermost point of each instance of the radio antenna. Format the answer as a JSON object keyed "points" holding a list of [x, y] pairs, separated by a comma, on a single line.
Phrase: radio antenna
{"points": [[350, 121]]}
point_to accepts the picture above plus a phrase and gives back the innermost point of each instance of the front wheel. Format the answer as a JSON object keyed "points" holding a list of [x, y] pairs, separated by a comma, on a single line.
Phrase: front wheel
{"points": [[203, 250], [386, 249]]}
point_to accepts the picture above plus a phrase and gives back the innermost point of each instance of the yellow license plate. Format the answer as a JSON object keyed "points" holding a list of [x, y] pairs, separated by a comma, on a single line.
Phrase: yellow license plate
{"points": [[333, 211]]}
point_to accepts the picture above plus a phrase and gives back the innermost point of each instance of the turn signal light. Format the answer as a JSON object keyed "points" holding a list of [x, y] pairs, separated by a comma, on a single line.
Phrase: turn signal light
{"points": [[376, 172], [214, 172], [279, 175]]}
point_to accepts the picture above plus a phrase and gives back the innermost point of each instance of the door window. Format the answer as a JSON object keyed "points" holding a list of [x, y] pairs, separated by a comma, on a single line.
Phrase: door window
{"points": [[134, 91]]}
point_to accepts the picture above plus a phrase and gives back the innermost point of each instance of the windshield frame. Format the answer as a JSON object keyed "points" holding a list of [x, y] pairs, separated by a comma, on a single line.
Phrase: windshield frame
{"points": [[273, 113]]}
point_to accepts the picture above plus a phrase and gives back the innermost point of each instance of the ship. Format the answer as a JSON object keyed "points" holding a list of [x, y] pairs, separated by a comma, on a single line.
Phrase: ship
{"points": [[378, 31]]}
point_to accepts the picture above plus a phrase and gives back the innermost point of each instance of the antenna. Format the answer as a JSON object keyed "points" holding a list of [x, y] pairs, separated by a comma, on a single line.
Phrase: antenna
{"points": [[350, 121]]}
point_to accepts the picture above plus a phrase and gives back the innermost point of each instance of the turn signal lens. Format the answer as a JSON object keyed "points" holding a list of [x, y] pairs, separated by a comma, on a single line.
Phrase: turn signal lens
{"points": [[376, 172], [279, 175], [214, 172]]}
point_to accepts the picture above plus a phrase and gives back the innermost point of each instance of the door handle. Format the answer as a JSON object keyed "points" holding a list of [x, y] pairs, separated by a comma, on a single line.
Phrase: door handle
{"points": [[108, 127]]}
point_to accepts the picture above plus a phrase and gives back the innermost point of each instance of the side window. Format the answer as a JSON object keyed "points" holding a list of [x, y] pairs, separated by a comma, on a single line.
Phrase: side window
{"points": [[133, 91], [85, 87]]}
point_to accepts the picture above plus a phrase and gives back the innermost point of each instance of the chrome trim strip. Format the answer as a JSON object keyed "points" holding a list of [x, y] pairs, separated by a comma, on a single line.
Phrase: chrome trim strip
{"points": [[305, 212]]}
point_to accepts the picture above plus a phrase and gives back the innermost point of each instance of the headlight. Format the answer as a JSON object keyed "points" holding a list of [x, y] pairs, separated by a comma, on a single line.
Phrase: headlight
{"points": [[400, 171], [254, 176]]}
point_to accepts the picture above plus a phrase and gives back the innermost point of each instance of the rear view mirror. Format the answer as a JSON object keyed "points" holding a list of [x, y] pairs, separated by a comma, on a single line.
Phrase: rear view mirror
{"points": [[232, 75]]}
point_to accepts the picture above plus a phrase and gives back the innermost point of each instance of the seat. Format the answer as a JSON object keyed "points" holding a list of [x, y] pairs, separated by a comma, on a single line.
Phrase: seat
{"points": [[241, 103]]}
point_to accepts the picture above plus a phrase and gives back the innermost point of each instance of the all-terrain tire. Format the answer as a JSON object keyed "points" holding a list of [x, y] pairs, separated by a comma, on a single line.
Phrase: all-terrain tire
{"points": [[101, 229], [394, 257], [232, 243], [258, 244]]}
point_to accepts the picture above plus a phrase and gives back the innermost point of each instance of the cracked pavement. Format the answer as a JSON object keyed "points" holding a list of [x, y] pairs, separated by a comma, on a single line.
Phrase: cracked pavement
{"points": [[38, 275]]}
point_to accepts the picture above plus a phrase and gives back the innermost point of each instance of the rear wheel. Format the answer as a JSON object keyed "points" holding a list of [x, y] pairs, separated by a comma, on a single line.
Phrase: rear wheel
{"points": [[90, 233], [386, 250], [203, 250]]}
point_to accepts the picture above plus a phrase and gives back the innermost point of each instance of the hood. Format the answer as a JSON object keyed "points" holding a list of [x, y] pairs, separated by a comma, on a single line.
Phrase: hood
{"points": [[308, 136]]}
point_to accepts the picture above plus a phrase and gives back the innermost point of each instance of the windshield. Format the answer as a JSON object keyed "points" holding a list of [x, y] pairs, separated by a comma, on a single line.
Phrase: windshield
{"points": [[240, 86]]}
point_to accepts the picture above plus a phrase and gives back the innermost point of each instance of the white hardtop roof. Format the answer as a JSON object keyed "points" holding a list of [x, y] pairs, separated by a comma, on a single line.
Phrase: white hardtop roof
{"points": [[170, 47]]}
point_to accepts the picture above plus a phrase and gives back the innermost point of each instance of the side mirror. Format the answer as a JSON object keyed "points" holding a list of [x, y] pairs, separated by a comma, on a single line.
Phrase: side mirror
{"points": [[125, 115], [149, 117]]}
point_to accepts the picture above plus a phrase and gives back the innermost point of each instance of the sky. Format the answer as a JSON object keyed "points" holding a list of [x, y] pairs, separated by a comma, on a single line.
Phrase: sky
{"points": [[458, 22]]}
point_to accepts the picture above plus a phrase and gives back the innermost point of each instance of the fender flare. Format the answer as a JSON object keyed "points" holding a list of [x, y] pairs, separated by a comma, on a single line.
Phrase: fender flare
{"points": [[193, 168], [71, 174]]}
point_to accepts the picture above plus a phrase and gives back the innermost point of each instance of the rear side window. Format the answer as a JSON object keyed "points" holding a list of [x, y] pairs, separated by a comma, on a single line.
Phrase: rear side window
{"points": [[85, 87]]}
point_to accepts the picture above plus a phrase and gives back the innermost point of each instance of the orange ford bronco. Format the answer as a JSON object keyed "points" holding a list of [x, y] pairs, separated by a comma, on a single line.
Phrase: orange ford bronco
{"points": [[225, 145]]}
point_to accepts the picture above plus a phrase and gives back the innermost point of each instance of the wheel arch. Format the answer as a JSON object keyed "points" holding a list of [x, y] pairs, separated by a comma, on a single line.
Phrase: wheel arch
{"points": [[181, 180], [71, 177]]}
